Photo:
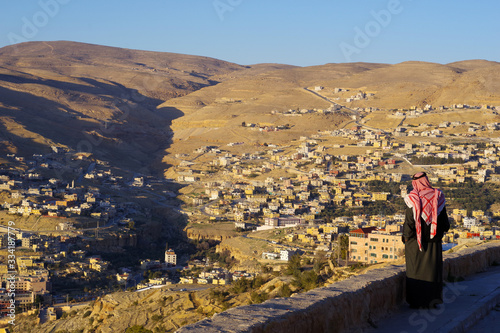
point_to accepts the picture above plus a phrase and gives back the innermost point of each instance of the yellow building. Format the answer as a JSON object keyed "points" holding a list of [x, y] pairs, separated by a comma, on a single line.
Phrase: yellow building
{"points": [[187, 280], [204, 280], [450, 236], [324, 196], [462, 212], [308, 239], [329, 229], [380, 196], [488, 233], [309, 217], [313, 231], [24, 261], [477, 213]]}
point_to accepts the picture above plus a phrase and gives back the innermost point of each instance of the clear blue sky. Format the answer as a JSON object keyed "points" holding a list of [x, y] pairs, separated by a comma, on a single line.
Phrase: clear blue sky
{"points": [[246, 32]]}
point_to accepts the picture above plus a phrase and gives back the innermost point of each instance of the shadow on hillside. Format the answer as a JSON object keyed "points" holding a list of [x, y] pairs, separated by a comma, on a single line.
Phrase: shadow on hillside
{"points": [[133, 141], [134, 135], [106, 91]]}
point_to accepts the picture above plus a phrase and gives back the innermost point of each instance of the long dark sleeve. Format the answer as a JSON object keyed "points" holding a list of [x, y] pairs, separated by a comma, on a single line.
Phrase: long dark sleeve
{"points": [[443, 224]]}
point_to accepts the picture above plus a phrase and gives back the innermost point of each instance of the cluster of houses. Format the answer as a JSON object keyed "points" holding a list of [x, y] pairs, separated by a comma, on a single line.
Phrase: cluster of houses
{"points": [[266, 128], [61, 258], [299, 112], [320, 178], [282, 255], [329, 179], [33, 195], [41, 258], [215, 276], [428, 130], [359, 95], [32, 279], [377, 238], [416, 111], [126, 275]]}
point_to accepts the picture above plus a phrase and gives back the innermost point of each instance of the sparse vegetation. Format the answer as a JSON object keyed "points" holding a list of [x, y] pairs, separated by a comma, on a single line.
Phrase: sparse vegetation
{"points": [[285, 291], [156, 317], [471, 195], [307, 280], [258, 297], [137, 329]]}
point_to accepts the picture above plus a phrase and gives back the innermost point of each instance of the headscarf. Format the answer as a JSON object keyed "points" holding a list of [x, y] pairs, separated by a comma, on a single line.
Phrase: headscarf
{"points": [[426, 202]]}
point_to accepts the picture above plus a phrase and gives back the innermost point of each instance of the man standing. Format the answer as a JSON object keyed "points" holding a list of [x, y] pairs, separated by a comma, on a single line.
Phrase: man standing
{"points": [[425, 223]]}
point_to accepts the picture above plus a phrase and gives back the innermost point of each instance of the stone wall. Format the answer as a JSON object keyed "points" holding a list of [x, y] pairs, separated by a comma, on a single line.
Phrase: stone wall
{"points": [[343, 306], [472, 260]]}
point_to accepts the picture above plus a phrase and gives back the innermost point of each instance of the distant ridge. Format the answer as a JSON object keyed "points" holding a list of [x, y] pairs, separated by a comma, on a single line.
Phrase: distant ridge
{"points": [[473, 64], [85, 51]]}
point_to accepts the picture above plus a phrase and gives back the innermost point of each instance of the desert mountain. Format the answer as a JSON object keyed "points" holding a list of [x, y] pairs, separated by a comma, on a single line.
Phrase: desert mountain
{"points": [[136, 107], [95, 98], [215, 114]]}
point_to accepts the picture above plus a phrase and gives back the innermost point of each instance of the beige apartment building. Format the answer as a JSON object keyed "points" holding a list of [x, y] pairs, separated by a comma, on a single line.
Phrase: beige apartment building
{"points": [[372, 245], [170, 257]]}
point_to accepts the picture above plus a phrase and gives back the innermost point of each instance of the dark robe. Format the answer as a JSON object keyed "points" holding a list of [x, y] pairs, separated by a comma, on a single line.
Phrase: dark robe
{"points": [[424, 269]]}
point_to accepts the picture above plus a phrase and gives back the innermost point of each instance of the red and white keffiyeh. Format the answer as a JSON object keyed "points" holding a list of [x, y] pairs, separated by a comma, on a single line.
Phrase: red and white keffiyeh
{"points": [[426, 202]]}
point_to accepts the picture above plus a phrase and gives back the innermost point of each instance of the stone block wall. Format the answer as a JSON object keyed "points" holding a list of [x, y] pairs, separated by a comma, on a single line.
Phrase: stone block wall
{"points": [[344, 306], [472, 260]]}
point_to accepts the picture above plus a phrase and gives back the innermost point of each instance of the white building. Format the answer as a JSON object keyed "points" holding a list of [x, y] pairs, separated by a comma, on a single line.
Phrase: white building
{"points": [[286, 254], [470, 222], [170, 257]]}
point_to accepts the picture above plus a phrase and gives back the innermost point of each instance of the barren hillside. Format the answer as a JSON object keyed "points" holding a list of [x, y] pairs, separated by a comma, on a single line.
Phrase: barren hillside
{"points": [[138, 107], [95, 98], [419, 83]]}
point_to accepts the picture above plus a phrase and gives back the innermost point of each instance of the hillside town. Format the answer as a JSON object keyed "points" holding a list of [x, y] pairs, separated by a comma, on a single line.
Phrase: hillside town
{"points": [[319, 185], [308, 194]]}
